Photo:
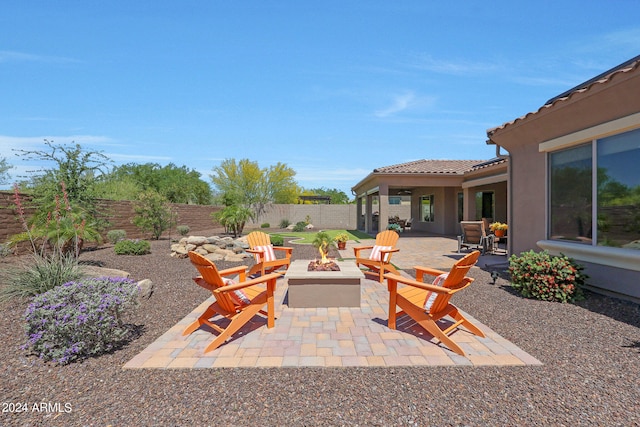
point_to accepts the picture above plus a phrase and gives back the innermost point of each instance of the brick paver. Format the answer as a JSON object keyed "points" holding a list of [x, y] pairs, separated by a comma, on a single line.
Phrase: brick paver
{"points": [[337, 337]]}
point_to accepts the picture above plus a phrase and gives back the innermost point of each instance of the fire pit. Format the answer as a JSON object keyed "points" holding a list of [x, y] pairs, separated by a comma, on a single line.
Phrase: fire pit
{"points": [[319, 265], [324, 288]]}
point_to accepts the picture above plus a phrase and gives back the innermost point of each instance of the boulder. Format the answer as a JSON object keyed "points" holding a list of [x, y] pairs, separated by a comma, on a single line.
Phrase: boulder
{"points": [[146, 287], [197, 240]]}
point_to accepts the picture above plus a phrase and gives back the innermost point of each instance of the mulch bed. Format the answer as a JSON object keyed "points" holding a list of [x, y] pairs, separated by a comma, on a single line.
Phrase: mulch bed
{"points": [[590, 373]]}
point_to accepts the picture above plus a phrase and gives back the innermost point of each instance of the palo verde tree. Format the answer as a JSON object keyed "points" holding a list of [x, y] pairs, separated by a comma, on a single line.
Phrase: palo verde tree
{"points": [[4, 171], [66, 190], [246, 184]]}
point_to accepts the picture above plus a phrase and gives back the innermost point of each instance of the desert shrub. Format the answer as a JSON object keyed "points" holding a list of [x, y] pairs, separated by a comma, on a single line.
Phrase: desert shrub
{"points": [[132, 247], [300, 226], [5, 250], [40, 274], [79, 319], [284, 223], [265, 225], [277, 240], [550, 278], [114, 236], [183, 230]]}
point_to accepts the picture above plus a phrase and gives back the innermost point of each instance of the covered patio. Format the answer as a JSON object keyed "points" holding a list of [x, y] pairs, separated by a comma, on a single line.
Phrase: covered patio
{"points": [[435, 195]]}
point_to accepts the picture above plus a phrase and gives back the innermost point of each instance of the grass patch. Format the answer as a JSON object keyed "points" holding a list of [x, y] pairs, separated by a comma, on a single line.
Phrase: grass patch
{"points": [[306, 237]]}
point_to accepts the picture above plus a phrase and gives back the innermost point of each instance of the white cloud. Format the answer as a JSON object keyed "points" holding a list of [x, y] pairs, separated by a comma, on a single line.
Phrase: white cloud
{"points": [[428, 63], [404, 102], [12, 56]]}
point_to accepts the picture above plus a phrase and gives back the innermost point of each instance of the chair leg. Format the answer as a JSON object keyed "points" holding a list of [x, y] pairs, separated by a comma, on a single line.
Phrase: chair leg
{"points": [[455, 314], [236, 323], [202, 320]]}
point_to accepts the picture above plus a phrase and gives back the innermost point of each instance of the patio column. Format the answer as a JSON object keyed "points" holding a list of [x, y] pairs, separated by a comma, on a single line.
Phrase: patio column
{"points": [[383, 201], [469, 209], [359, 219], [368, 218]]}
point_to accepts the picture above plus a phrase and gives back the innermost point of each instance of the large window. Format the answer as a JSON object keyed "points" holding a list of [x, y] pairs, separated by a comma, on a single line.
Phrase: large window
{"points": [[574, 174], [426, 208], [618, 184], [570, 194]]}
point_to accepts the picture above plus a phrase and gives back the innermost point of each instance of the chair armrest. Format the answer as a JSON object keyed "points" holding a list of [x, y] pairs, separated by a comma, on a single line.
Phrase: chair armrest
{"points": [[203, 283], [357, 249], [271, 277], [421, 271], [254, 251], [388, 251], [240, 270], [394, 279]]}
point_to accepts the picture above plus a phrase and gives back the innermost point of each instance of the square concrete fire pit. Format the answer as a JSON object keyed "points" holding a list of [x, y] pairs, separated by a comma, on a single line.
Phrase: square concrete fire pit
{"points": [[312, 289]]}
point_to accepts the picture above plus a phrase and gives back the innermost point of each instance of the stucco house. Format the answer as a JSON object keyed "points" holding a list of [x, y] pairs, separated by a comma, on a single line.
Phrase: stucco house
{"points": [[442, 193], [574, 179], [566, 178]]}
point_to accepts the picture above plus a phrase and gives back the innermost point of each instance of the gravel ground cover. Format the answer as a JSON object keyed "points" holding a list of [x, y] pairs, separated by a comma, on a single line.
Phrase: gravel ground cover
{"points": [[590, 374]]}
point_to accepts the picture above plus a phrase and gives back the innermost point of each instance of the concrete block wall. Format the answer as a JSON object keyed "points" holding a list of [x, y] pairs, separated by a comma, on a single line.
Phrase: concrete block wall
{"points": [[321, 216], [119, 213]]}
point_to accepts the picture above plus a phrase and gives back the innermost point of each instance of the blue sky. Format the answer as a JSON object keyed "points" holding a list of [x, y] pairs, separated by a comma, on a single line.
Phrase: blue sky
{"points": [[333, 89]]}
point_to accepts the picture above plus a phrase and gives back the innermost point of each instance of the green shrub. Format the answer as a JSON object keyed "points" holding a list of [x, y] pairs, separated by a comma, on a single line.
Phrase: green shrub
{"points": [[300, 226], [132, 247], [284, 223], [277, 240], [541, 276], [79, 319], [40, 274], [183, 230], [265, 225], [5, 250], [114, 236]]}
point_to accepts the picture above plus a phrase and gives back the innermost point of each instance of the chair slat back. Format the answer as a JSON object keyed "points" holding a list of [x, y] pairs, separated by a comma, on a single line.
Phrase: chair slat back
{"points": [[210, 274], [387, 238], [258, 238], [473, 231], [456, 278]]}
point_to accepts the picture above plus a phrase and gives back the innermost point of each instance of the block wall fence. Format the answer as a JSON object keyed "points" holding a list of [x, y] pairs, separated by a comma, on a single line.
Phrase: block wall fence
{"points": [[198, 217]]}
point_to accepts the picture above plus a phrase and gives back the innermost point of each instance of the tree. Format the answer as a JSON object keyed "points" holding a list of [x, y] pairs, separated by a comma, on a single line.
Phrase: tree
{"points": [[177, 184], [77, 168], [66, 208], [233, 218], [153, 213], [4, 171], [247, 184]]}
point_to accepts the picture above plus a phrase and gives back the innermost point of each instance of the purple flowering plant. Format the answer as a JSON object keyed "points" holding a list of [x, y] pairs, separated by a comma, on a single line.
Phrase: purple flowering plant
{"points": [[80, 319], [541, 276]]}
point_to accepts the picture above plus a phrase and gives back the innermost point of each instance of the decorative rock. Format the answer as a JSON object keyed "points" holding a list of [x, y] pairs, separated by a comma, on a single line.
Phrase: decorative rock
{"points": [[209, 247], [197, 240], [214, 248], [146, 287], [214, 257]]}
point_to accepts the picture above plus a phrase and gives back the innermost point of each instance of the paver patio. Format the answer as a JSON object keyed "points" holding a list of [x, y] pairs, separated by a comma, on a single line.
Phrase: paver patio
{"points": [[334, 336]]}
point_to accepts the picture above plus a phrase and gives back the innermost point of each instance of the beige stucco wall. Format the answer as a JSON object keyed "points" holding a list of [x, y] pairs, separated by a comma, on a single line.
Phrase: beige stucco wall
{"points": [[600, 104]]}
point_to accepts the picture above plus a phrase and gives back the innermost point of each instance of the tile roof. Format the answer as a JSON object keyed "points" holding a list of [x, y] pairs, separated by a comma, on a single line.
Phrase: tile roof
{"points": [[607, 76], [446, 167]]}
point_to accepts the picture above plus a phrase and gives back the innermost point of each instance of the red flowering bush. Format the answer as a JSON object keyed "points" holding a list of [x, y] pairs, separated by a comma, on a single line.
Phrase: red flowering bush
{"points": [[549, 278]]}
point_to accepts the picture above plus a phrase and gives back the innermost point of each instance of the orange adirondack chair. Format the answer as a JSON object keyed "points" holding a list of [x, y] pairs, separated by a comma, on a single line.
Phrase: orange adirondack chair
{"points": [[379, 259], [265, 254], [237, 302], [428, 303]]}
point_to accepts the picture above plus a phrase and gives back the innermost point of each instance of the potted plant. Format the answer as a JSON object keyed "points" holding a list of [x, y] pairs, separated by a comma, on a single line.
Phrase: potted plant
{"points": [[341, 240], [499, 228]]}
